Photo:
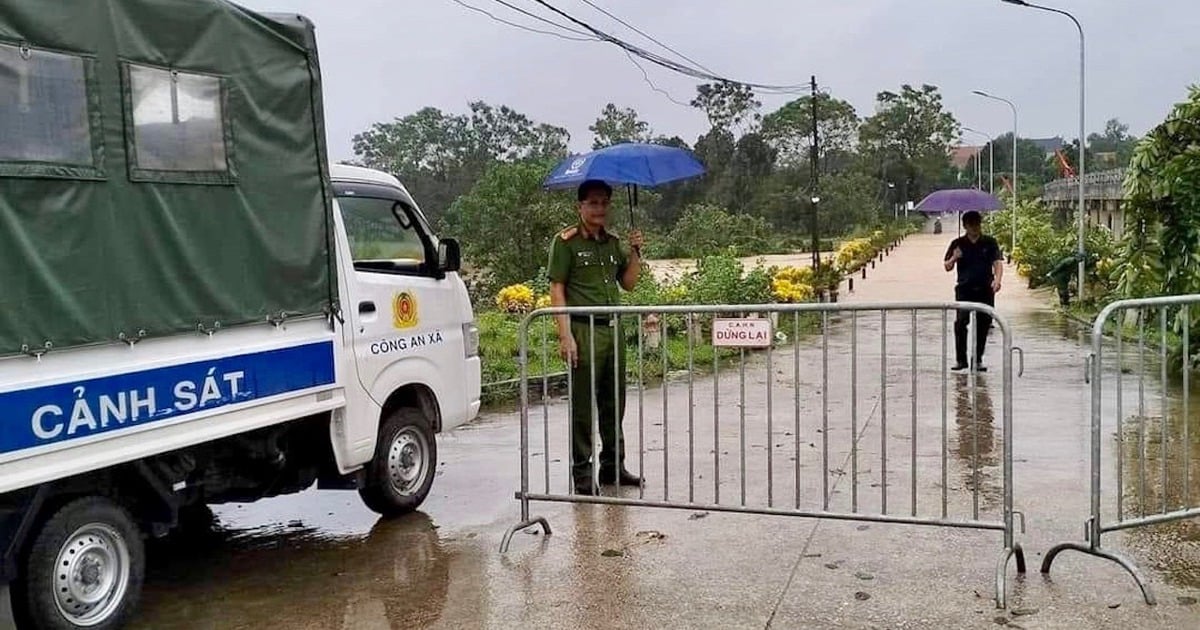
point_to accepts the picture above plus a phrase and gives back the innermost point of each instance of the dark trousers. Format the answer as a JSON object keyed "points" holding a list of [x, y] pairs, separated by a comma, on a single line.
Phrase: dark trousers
{"points": [[983, 323], [1063, 284], [605, 373]]}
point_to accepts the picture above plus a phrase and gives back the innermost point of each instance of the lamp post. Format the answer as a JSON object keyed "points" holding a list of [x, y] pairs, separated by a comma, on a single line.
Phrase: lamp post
{"points": [[1014, 168], [991, 161], [1082, 139]]}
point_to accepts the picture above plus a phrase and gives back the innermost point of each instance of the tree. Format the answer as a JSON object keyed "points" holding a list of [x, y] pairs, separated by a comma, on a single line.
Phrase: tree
{"points": [[789, 129], [1034, 168], [1115, 147], [439, 156], [1161, 255], [506, 222], [753, 162], [909, 138], [615, 126], [507, 135], [727, 105]]}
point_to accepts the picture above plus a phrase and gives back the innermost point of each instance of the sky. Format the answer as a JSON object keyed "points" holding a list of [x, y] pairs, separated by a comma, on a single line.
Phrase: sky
{"points": [[384, 59]]}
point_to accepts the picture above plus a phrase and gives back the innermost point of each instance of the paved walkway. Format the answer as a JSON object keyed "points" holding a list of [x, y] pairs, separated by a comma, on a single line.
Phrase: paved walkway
{"points": [[619, 567]]}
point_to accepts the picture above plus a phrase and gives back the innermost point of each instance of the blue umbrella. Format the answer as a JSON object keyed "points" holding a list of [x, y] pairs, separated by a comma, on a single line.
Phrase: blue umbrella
{"points": [[630, 163]]}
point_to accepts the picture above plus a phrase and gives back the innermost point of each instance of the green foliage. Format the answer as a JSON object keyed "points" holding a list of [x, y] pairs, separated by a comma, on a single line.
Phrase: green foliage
{"points": [[1112, 149], [910, 136], [615, 126], [1162, 189], [506, 223], [789, 128], [1042, 245], [706, 230], [439, 156], [721, 279], [727, 104]]}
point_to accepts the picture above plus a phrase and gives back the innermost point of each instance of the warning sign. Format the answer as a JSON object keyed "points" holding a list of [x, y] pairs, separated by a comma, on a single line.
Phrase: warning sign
{"points": [[742, 333]]}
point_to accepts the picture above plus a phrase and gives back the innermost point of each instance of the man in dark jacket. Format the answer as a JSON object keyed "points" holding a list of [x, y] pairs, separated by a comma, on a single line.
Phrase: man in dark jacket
{"points": [[980, 264]]}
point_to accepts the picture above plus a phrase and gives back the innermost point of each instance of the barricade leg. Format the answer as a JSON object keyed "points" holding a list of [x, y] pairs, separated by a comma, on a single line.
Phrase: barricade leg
{"points": [[1096, 551]]}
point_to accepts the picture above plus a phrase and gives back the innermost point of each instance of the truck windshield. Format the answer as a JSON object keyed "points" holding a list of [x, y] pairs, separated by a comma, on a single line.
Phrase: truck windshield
{"points": [[382, 231]]}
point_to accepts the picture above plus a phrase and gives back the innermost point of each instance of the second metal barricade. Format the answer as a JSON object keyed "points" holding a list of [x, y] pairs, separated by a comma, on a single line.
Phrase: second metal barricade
{"points": [[1141, 440]]}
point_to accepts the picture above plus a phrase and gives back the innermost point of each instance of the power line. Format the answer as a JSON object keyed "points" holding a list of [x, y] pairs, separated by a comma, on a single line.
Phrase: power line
{"points": [[647, 35], [528, 28], [544, 19], [654, 87], [667, 63]]}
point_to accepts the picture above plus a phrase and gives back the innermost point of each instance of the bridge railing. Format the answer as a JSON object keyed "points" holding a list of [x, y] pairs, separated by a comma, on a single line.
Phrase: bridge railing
{"points": [[1108, 185]]}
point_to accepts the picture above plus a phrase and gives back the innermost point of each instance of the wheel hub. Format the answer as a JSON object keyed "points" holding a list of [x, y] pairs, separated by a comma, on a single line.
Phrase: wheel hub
{"points": [[407, 461], [91, 574]]}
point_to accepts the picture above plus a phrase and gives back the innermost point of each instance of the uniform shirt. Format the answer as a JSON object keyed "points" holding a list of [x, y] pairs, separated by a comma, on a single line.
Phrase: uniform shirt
{"points": [[590, 268], [975, 266]]}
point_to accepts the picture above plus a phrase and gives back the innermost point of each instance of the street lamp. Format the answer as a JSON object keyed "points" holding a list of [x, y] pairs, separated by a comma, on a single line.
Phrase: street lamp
{"points": [[1014, 156], [1082, 140], [991, 162]]}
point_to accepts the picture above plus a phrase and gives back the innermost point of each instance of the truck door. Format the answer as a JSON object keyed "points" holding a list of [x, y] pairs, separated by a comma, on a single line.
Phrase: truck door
{"points": [[406, 321]]}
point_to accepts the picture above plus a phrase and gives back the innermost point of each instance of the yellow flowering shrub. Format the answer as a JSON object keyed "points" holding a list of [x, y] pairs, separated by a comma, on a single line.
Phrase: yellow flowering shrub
{"points": [[795, 275], [784, 290], [854, 254], [515, 298], [792, 284], [542, 302]]}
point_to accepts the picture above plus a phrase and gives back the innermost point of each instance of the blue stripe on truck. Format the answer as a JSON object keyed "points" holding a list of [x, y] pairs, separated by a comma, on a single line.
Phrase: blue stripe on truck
{"points": [[58, 413]]}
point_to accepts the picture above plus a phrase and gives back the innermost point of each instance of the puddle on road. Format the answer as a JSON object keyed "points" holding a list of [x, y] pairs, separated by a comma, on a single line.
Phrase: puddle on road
{"points": [[320, 572]]}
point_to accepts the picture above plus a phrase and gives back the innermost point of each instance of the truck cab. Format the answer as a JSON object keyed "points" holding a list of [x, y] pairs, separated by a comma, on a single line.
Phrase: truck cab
{"points": [[408, 321]]}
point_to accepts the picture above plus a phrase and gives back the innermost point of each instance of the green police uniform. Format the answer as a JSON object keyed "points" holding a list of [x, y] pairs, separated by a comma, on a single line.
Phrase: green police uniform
{"points": [[1061, 276], [590, 269]]}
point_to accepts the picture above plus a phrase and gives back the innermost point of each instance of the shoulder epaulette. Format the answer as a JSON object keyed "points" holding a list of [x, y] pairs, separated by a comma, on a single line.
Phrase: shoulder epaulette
{"points": [[569, 233]]}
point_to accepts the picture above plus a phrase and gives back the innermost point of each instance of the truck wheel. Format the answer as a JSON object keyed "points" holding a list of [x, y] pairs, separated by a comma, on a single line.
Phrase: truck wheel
{"points": [[84, 569], [401, 473]]}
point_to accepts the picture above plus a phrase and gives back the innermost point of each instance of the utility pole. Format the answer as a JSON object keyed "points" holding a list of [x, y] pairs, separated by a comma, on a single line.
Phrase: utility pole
{"points": [[816, 241]]}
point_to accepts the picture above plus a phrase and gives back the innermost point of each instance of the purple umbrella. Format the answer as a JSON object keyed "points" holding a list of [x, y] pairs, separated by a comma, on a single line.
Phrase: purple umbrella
{"points": [[958, 200]]}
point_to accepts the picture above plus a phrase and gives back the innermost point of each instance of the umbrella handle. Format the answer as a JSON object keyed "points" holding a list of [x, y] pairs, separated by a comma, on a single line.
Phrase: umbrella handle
{"points": [[631, 193]]}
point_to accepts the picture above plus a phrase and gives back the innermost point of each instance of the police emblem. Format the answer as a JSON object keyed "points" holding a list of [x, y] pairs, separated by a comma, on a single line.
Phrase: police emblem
{"points": [[404, 310]]}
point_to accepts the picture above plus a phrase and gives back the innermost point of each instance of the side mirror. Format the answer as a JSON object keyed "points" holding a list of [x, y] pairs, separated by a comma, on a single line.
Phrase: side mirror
{"points": [[449, 255]]}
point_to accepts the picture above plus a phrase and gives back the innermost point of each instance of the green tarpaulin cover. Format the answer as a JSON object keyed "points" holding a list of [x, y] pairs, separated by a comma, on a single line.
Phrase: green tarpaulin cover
{"points": [[162, 169]]}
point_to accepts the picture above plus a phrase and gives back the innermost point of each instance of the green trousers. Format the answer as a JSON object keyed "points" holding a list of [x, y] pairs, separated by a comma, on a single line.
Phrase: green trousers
{"points": [[601, 369]]}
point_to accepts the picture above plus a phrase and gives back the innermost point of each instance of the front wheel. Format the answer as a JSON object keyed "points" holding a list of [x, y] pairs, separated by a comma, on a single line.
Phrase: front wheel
{"points": [[84, 569], [400, 475]]}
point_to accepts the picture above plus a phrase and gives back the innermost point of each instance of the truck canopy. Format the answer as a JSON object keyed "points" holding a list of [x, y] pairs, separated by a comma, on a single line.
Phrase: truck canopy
{"points": [[162, 169]]}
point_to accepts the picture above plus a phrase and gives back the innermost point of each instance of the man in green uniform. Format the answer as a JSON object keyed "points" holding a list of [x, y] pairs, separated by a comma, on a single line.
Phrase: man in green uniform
{"points": [[1061, 275], [588, 267]]}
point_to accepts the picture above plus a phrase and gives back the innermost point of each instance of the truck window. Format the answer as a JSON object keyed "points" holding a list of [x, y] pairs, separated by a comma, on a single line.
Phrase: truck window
{"points": [[384, 237], [45, 118], [179, 126]]}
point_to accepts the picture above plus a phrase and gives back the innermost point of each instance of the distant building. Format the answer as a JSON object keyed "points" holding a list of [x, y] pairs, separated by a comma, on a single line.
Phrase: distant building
{"points": [[962, 156], [1048, 145]]}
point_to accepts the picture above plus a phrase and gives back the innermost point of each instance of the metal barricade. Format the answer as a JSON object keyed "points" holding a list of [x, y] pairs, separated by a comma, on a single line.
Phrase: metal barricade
{"points": [[1122, 328], [839, 371]]}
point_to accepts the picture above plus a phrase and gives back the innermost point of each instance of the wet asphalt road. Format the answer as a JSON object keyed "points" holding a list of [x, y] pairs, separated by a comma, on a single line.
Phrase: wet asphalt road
{"points": [[322, 560]]}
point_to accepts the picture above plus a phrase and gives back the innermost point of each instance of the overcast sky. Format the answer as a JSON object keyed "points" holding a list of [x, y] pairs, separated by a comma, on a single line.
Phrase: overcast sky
{"points": [[383, 59]]}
